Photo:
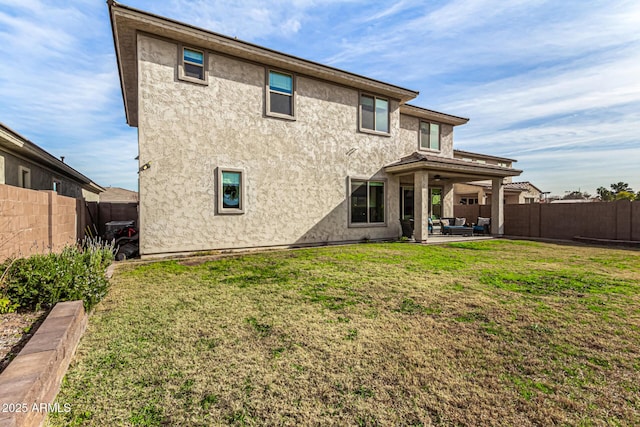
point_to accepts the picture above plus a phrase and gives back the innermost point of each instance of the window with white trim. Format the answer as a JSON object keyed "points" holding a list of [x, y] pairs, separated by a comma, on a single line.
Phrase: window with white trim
{"points": [[192, 65], [429, 136], [366, 204], [231, 191], [468, 200], [374, 114], [280, 87], [24, 177]]}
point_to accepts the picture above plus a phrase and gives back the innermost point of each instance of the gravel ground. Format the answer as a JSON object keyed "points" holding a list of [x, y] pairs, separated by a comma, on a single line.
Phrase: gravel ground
{"points": [[15, 331]]}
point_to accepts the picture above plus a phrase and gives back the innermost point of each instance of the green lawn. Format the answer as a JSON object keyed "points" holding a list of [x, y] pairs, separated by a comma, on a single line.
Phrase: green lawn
{"points": [[486, 333]]}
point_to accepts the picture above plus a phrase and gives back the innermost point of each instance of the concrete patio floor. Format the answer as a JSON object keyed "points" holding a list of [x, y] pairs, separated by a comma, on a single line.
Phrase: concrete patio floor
{"points": [[439, 239]]}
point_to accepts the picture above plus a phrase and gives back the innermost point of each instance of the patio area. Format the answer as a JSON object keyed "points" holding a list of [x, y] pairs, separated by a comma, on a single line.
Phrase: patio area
{"points": [[439, 239]]}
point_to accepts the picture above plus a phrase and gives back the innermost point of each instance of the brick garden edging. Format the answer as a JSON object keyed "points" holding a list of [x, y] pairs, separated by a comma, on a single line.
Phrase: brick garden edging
{"points": [[29, 385]]}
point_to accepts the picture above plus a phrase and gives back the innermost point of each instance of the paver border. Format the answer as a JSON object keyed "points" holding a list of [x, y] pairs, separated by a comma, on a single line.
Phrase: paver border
{"points": [[30, 384]]}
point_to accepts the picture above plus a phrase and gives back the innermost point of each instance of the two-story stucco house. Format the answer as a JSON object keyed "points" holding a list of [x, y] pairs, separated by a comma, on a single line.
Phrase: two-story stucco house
{"points": [[241, 146]]}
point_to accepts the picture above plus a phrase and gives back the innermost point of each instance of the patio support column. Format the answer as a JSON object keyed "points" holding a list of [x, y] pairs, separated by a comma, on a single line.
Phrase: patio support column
{"points": [[447, 200], [421, 206], [497, 206]]}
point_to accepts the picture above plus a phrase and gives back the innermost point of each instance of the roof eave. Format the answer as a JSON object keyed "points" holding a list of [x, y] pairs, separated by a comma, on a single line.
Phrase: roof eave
{"points": [[484, 156], [417, 162], [35, 153], [130, 122], [475, 171], [126, 22], [95, 188], [423, 113]]}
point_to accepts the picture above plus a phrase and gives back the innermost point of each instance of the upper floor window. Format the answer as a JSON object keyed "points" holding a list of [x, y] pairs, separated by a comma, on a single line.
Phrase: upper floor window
{"points": [[280, 97], [374, 113], [192, 65], [429, 136]]}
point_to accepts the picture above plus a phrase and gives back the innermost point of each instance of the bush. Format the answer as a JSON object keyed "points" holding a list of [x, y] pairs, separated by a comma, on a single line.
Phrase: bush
{"points": [[40, 281]]}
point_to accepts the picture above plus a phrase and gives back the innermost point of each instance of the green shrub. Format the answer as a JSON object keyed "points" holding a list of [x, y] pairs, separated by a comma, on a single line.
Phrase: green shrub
{"points": [[40, 281], [6, 306]]}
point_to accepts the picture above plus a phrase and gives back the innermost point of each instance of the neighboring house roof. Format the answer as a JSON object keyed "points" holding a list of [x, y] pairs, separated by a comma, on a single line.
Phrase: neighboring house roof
{"points": [[126, 22], [573, 201], [483, 156], [423, 113], [118, 195], [444, 164], [511, 186], [17, 143], [524, 185]]}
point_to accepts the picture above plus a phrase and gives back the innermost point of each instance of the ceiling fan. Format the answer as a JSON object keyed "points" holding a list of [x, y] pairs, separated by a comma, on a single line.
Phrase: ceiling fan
{"points": [[438, 178]]}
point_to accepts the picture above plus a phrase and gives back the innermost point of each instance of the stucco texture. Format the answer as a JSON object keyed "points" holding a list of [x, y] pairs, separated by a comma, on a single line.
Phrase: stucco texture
{"points": [[296, 171], [410, 136]]}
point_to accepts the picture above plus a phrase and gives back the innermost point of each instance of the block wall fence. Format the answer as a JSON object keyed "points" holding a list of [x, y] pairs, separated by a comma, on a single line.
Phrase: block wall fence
{"points": [[34, 221], [619, 220], [37, 222]]}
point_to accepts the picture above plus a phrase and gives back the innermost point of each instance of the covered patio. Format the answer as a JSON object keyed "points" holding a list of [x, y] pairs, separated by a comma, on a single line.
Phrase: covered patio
{"points": [[426, 189]]}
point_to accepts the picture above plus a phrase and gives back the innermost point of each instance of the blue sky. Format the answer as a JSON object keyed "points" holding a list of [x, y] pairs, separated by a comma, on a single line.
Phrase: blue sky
{"points": [[555, 85]]}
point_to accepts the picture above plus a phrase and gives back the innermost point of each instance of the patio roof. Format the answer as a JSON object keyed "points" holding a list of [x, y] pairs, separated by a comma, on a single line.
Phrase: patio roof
{"points": [[449, 168], [483, 156]]}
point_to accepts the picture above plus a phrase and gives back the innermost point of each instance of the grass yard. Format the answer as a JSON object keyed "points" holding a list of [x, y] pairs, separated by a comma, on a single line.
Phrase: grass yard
{"points": [[485, 333]]}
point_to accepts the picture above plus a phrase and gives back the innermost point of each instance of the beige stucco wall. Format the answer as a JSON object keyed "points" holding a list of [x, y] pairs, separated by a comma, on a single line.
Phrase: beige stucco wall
{"points": [[529, 193], [296, 171], [464, 190], [410, 137]]}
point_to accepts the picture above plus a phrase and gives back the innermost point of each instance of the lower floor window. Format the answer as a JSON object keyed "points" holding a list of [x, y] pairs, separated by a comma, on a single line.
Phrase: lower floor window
{"points": [[230, 191], [367, 202], [468, 201]]}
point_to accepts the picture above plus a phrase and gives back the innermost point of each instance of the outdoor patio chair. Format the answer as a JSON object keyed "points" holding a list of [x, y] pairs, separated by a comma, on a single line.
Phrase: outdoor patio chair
{"points": [[407, 228], [483, 226]]}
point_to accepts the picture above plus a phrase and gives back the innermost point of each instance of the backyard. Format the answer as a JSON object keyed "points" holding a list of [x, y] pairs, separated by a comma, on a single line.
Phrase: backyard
{"points": [[495, 332]]}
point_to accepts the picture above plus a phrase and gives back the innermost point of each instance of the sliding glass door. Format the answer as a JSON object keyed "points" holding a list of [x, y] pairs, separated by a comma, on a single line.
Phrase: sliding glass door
{"points": [[435, 202], [406, 202]]}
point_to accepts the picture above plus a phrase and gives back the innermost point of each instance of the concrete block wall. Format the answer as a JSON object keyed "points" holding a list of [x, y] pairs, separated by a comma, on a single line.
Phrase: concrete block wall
{"points": [[35, 221], [618, 220], [635, 221]]}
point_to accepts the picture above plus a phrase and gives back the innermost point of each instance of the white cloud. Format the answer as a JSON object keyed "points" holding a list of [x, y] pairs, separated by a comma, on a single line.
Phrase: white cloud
{"points": [[550, 83], [291, 26], [248, 20], [390, 11], [59, 77]]}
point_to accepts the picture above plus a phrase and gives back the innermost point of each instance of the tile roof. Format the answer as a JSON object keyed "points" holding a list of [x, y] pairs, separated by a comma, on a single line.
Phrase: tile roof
{"points": [[417, 157]]}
